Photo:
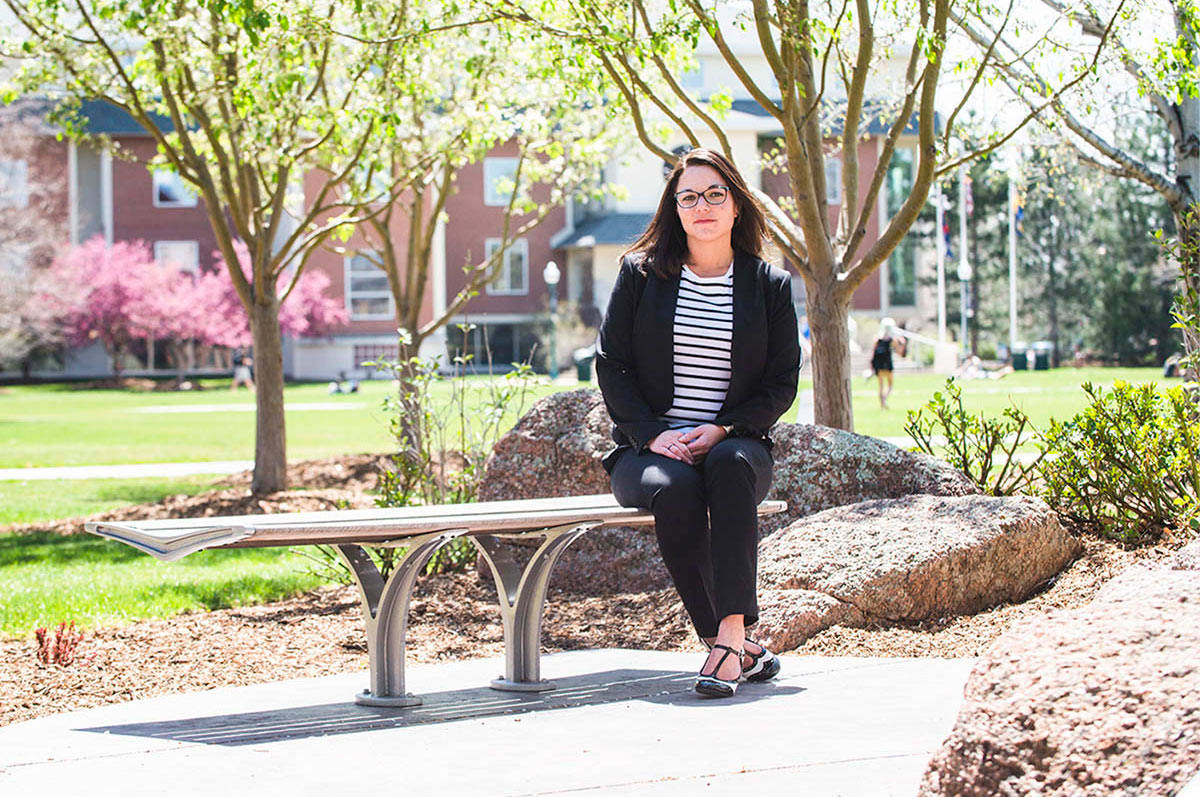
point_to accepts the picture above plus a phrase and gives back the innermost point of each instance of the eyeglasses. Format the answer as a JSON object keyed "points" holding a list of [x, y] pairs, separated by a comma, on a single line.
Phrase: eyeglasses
{"points": [[713, 195]]}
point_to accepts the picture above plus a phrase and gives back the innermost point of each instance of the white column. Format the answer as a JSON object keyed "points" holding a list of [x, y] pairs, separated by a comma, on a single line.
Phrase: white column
{"points": [[106, 195], [72, 193]]}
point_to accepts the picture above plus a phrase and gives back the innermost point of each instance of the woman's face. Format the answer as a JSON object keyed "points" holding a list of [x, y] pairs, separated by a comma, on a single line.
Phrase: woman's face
{"points": [[705, 222]]}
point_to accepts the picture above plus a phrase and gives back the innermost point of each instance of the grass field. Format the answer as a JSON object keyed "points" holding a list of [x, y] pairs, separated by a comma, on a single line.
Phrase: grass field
{"points": [[45, 579], [48, 578], [56, 425]]}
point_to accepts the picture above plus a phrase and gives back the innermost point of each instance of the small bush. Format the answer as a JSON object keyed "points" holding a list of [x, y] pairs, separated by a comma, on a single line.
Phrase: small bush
{"points": [[982, 448], [441, 448], [1128, 464], [62, 648]]}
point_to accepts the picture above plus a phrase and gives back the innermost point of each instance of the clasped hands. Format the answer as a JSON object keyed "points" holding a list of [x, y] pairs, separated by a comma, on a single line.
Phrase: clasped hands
{"points": [[688, 445]]}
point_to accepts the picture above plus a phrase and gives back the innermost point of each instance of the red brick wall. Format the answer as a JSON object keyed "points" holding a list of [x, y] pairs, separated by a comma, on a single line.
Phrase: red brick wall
{"points": [[333, 264], [134, 213], [867, 297], [472, 222]]}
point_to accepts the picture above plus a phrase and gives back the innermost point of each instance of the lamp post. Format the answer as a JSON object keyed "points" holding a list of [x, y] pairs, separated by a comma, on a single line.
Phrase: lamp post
{"points": [[551, 275]]}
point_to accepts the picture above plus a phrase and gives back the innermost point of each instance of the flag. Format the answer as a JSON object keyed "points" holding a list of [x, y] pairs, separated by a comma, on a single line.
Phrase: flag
{"points": [[1019, 213], [947, 239]]}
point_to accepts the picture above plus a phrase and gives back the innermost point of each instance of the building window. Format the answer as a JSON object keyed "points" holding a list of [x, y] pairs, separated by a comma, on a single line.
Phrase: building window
{"points": [[498, 174], [494, 347], [902, 264], [182, 255], [368, 296], [833, 180], [14, 184], [171, 192], [373, 353], [513, 275]]}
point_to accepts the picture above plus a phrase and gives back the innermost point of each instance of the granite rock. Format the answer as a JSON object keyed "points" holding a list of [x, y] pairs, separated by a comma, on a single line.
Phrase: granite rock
{"points": [[906, 559], [1100, 700], [817, 467]]}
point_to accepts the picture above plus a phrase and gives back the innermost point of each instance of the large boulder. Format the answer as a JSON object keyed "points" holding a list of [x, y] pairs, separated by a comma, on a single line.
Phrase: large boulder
{"points": [[1100, 700], [555, 450], [905, 559], [817, 467], [556, 447]]}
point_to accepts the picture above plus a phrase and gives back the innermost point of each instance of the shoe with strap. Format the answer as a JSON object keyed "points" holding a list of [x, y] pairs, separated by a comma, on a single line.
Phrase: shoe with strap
{"points": [[713, 686], [761, 666]]}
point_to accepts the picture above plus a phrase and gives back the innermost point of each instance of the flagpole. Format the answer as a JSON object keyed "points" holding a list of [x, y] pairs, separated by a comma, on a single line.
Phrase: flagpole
{"points": [[964, 266], [1012, 261], [941, 262]]}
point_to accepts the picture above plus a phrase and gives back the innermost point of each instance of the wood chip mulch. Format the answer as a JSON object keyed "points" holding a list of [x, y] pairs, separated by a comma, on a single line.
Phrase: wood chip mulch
{"points": [[453, 616]]}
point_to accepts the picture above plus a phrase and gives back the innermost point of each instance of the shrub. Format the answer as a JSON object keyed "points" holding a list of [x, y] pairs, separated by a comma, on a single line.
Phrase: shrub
{"points": [[442, 446], [1128, 464], [62, 648], [982, 448]]}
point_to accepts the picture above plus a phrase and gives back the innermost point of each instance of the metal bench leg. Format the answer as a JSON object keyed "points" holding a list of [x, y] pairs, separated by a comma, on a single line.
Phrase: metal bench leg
{"points": [[522, 598], [385, 610]]}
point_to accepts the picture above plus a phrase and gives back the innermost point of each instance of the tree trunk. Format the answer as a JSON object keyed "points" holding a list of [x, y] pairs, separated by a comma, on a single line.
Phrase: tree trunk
{"points": [[270, 441], [827, 320]]}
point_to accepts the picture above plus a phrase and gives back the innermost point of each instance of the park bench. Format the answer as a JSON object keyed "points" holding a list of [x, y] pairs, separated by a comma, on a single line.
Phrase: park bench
{"points": [[420, 531]]}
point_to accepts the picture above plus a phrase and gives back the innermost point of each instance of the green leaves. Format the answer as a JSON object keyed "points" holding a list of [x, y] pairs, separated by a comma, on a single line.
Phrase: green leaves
{"points": [[1129, 464]]}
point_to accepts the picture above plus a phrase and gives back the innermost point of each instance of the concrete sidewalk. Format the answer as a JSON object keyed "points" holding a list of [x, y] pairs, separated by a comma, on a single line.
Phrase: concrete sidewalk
{"points": [[619, 723]]}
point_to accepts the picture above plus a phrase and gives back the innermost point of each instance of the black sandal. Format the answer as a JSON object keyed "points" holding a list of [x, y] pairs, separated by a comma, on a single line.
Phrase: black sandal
{"points": [[762, 667], [713, 686]]}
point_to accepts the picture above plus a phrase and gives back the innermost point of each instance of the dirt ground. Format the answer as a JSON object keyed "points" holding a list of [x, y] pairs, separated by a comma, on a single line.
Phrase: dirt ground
{"points": [[453, 616]]}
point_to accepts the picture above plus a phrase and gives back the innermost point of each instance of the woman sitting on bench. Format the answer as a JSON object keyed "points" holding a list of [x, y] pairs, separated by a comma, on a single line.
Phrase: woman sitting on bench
{"points": [[698, 357]]}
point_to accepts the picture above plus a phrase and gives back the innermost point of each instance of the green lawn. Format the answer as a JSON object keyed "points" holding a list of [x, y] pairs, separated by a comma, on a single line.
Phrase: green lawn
{"points": [[48, 578], [45, 579], [1042, 394], [55, 425], [31, 501]]}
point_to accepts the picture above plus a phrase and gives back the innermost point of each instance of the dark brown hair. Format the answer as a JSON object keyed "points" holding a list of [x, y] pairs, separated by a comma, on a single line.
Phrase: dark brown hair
{"points": [[663, 245]]}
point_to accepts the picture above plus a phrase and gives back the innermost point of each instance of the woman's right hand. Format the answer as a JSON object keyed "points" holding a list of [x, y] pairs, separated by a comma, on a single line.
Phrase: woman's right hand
{"points": [[668, 444]]}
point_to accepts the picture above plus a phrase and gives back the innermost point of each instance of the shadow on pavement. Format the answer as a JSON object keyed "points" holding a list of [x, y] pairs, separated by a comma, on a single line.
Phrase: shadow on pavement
{"points": [[655, 686]]}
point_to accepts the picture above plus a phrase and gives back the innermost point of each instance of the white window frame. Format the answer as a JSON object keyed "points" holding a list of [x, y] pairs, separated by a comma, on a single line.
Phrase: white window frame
{"points": [[14, 183], [495, 288], [166, 177], [351, 294], [495, 169], [191, 266], [833, 180]]}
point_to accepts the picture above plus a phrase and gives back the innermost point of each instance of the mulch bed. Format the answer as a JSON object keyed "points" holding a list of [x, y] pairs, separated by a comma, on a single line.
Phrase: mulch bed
{"points": [[453, 616]]}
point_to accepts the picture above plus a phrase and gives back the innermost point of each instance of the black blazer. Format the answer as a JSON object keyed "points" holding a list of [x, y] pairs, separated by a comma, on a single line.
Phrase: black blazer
{"points": [[635, 361]]}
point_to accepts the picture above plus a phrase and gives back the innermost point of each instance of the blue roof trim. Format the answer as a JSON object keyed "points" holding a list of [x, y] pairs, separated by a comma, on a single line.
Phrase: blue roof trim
{"points": [[611, 228], [105, 118], [874, 127]]}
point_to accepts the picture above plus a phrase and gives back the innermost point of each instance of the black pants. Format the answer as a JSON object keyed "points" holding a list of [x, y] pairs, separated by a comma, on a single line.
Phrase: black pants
{"points": [[706, 521]]}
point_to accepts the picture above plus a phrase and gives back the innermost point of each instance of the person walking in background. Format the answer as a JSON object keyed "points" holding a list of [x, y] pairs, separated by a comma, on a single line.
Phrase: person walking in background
{"points": [[697, 358], [881, 358], [242, 375]]}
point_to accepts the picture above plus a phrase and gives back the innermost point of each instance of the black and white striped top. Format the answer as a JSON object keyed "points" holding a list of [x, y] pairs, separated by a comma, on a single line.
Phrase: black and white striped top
{"points": [[702, 338]]}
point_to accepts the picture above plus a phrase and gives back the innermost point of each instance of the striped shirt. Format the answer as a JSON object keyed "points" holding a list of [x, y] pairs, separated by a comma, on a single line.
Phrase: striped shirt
{"points": [[702, 339]]}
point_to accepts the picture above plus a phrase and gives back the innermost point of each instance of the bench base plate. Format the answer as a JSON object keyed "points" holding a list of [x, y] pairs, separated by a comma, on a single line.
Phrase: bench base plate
{"points": [[365, 698], [508, 685]]}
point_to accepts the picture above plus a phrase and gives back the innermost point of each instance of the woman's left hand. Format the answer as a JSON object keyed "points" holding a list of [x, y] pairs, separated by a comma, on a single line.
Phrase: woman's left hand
{"points": [[702, 438]]}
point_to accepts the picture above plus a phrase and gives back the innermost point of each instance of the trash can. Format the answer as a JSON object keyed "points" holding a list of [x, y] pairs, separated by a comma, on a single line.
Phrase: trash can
{"points": [[583, 362], [1041, 355], [1020, 357]]}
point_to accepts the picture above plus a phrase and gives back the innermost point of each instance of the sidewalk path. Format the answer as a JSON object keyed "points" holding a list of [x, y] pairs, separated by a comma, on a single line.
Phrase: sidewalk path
{"points": [[619, 723]]}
